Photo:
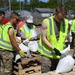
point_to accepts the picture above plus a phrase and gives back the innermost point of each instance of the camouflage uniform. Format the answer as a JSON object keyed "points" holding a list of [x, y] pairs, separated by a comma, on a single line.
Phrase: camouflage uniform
{"points": [[6, 61], [48, 64]]}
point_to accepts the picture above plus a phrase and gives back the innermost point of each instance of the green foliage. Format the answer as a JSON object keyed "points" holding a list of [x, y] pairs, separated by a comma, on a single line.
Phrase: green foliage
{"points": [[70, 4], [15, 5]]}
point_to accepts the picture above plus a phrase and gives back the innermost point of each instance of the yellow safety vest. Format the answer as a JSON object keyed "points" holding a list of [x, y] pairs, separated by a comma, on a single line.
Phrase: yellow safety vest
{"points": [[73, 26], [4, 38], [43, 48], [1, 27], [26, 32]]}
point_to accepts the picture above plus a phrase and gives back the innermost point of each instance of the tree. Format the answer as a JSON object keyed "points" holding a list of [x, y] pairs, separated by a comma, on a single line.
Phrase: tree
{"points": [[53, 3], [34, 1]]}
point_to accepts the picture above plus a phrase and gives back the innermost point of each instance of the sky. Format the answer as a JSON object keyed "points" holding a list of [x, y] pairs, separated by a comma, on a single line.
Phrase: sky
{"points": [[40, 0], [44, 0]]}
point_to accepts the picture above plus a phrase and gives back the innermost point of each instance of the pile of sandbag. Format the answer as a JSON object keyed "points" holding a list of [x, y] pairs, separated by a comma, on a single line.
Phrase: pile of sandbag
{"points": [[28, 46]]}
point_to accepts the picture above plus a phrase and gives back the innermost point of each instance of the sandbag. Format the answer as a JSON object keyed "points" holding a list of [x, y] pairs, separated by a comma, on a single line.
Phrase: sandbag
{"points": [[38, 31], [17, 57], [65, 64], [33, 46], [34, 33], [25, 49], [65, 51], [18, 38]]}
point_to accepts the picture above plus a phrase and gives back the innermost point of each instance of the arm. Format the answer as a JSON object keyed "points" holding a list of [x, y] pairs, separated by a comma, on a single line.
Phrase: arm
{"points": [[44, 33], [14, 43], [12, 39], [44, 39], [22, 36]]}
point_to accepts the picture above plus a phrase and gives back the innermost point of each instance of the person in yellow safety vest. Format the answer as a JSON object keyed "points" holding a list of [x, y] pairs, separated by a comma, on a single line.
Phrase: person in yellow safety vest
{"points": [[2, 14], [8, 45], [54, 31], [73, 33], [20, 24], [26, 30]]}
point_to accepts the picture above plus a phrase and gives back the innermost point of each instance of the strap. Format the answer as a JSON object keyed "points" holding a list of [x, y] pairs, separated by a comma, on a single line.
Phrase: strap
{"points": [[45, 51], [50, 21], [64, 26]]}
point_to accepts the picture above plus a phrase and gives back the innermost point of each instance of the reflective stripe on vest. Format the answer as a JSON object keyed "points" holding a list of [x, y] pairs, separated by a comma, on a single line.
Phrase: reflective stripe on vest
{"points": [[47, 52], [23, 29], [9, 47], [50, 21], [63, 26]]}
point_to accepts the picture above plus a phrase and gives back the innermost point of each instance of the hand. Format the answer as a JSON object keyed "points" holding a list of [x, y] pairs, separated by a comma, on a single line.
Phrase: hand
{"points": [[22, 54], [57, 52]]}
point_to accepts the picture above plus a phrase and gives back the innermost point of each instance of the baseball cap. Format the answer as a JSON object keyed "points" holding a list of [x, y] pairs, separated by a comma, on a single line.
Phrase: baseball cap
{"points": [[29, 19]]}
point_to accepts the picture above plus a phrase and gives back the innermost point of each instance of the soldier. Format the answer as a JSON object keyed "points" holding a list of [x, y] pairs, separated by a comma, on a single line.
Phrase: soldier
{"points": [[2, 14], [8, 44]]}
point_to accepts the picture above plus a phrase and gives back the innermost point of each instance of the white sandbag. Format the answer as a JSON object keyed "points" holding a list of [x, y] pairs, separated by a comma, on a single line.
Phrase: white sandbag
{"points": [[38, 31], [65, 64], [25, 42], [17, 57], [18, 38], [34, 33], [71, 38], [33, 46], [65, 51], [24, 48]]}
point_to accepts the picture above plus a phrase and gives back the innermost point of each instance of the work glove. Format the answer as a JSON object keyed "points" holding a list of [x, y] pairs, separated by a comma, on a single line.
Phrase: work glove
{"points": [[57, 52], [22, 54]]}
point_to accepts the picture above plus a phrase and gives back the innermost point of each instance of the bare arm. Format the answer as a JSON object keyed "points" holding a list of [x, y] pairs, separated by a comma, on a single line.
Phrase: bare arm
{"points": [[12, 39], [44, 33]]}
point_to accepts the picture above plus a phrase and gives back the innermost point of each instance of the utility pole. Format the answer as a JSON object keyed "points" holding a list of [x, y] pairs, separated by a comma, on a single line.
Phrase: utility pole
{"points": [[20, 4], [10, 5], [62, 2]]}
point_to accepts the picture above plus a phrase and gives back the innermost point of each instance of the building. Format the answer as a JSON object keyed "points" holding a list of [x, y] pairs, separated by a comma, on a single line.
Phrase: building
{"points": [[40, 13]]}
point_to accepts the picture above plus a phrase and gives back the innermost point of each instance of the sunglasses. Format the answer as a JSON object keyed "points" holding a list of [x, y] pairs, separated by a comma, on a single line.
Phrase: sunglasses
{"points": [[16, 19]]}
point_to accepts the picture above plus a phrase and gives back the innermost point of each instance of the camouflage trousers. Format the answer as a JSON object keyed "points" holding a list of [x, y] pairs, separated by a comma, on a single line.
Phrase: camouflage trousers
{"points": [[6, 62], [48, 64]]}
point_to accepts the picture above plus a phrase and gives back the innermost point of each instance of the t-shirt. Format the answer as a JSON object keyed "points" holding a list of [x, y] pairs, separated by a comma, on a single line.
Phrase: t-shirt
{"points": [[21, 24]]}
